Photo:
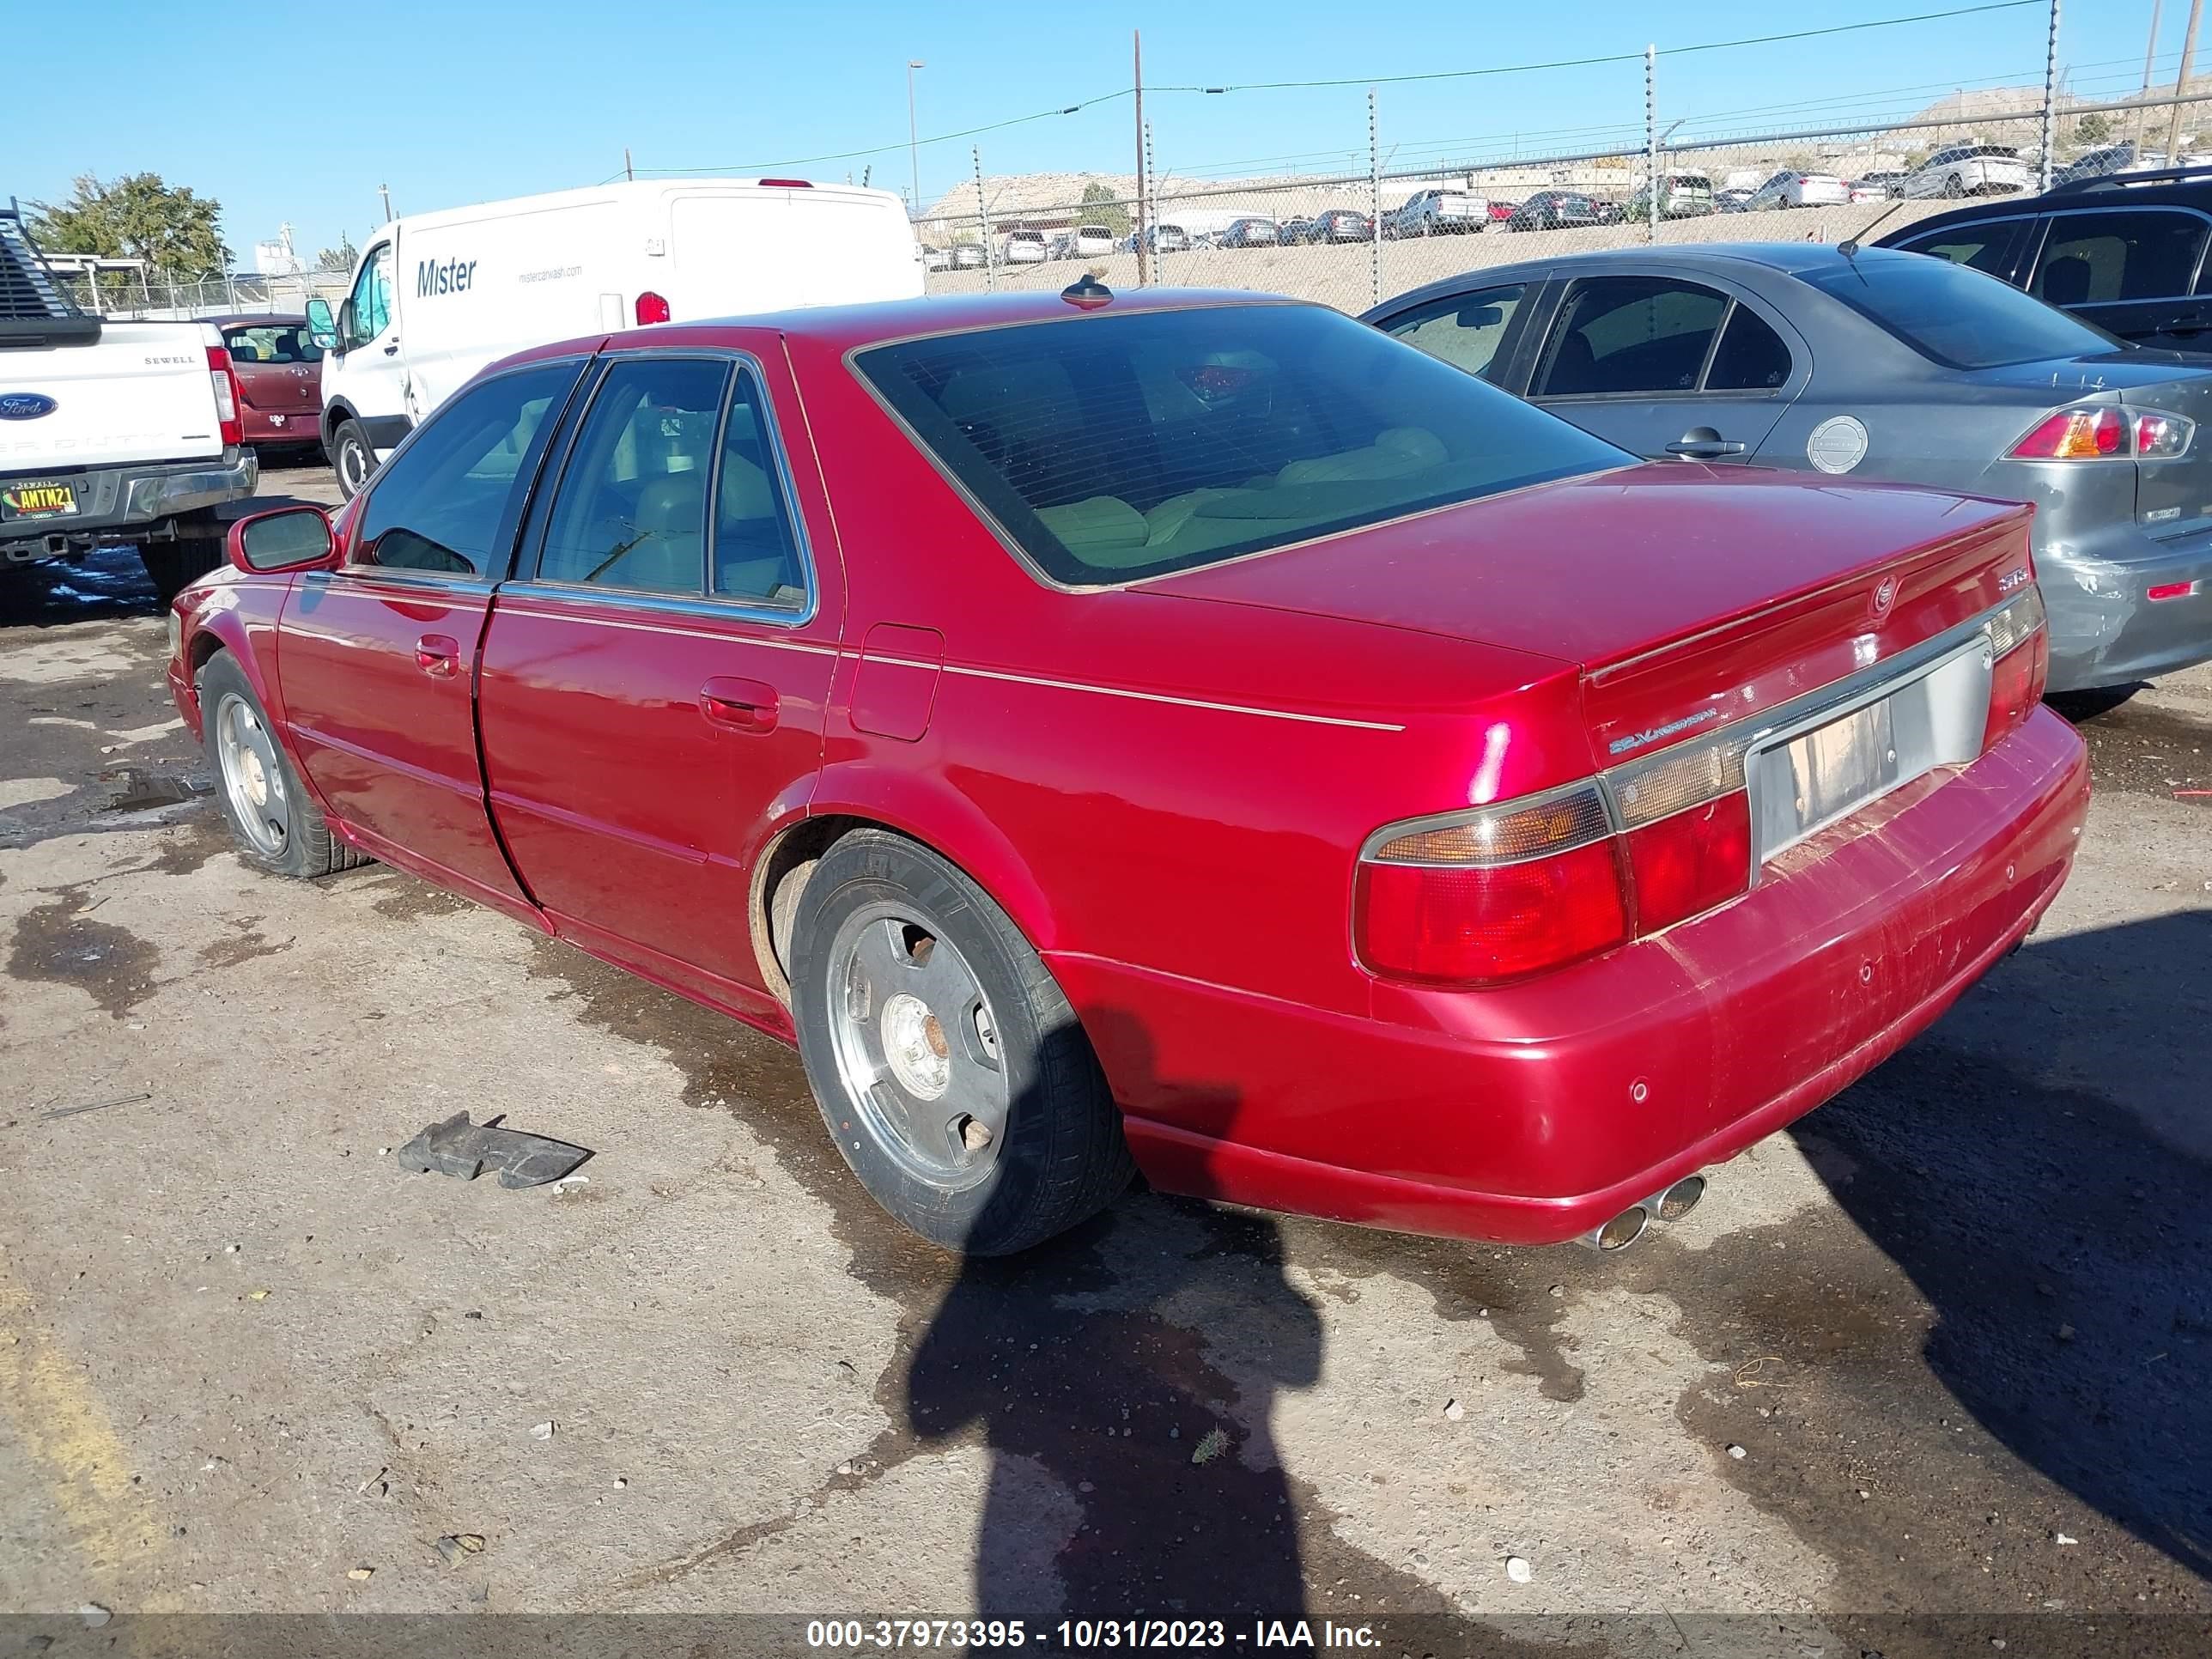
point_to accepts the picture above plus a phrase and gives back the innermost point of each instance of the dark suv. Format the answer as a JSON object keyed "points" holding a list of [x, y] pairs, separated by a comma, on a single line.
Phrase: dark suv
{"points": [[2125, 252]]}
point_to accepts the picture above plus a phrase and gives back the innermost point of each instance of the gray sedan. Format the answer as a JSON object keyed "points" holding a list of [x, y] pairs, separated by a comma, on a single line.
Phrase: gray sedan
{"points": [[1882, 365]]}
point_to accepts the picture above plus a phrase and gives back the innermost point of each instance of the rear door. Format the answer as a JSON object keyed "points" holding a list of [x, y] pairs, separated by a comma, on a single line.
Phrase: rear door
{"points": [[653, 683], [1665, 366], [279, 373], [374, 657], [2133, 271]]}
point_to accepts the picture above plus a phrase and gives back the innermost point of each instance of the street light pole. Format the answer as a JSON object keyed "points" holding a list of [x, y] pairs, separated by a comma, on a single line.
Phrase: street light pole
{"points": [[913, 144]]}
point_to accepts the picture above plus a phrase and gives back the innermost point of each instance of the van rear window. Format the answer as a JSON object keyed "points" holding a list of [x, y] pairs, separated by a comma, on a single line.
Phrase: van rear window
{"points": [[1113, 447]]}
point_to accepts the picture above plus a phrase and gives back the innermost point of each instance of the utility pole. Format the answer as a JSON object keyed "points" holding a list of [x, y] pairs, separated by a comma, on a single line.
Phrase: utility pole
{"points": [[2150, 51], [2181, 81], [628, 172], [1651, 142], [2051, 100], [385, 190], [912, 143], [1137, 48]]}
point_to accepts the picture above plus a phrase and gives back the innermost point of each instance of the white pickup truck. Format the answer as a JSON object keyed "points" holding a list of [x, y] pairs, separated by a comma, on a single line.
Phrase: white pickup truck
{"points": [[110, 432]]}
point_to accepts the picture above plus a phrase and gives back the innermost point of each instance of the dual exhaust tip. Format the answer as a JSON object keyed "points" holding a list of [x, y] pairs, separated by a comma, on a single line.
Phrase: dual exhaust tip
{"points": [[1625, 1229]]}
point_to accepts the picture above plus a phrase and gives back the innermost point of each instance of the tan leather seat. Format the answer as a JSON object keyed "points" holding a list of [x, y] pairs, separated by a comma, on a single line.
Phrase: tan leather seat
{"points": [[671, 516]]}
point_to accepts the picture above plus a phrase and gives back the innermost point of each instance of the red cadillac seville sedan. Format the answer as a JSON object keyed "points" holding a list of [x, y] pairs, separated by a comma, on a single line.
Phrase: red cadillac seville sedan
{"points": [[1181, 732]]}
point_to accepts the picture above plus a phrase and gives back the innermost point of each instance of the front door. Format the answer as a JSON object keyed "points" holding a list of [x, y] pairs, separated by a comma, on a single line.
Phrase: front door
{"points": [[1665, 368], [368, 370], [653, 687], [375, 656]]}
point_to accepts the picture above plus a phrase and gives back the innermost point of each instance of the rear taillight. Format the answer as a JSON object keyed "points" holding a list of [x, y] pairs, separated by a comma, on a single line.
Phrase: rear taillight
{"points": [[2097, 433], [2161, 436], [1505, 892], [225, 396], [1476, 924], [651, 308], [2020, 646], [1686, 865]]}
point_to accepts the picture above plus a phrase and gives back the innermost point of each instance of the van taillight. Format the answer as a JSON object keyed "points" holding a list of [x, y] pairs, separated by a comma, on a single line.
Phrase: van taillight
{"points": [[787, 184], [651, 308], [2020, 647], [225, 396]]}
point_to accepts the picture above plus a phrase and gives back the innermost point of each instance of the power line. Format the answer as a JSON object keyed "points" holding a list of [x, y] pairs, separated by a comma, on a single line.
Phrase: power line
{"points": [[1347, 81], [856, 155], [1610, 57]]}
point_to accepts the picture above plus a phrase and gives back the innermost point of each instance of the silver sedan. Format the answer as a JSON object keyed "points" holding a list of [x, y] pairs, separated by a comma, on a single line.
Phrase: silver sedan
{"points": [[1885, 365]]}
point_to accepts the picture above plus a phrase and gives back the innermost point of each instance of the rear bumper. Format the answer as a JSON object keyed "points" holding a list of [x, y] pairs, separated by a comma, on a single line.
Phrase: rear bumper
{"points": [[1530, 1113], [132, 503], [2104, 629]]}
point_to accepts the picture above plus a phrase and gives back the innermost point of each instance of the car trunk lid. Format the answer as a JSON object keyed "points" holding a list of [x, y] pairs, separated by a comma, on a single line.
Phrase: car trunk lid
{"points": [[1690, 597]]}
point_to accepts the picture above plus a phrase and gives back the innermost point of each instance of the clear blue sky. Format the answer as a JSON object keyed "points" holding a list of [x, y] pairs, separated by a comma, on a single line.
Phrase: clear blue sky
{"points": [[449, 103]]}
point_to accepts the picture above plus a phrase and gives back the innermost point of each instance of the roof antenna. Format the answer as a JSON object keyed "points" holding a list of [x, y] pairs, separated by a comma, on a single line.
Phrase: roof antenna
{"points": [[1849, 247], [1087, 293]]}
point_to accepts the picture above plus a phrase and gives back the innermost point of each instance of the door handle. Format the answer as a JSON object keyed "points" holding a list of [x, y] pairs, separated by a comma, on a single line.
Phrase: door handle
{"points": [[1702, 443], [740, 705], [437, 655], [391, 350]]}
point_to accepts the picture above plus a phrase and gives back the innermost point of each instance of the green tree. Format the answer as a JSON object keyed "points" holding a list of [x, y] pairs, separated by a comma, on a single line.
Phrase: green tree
{"points": [[1102, 207], [177, 233], [340, 259], [2093, 128]]}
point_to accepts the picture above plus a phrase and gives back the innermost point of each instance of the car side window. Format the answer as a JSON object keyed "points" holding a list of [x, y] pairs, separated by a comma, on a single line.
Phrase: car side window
{"points": [[1630, 334], [755, 550], [372, 298], [1983, 248], [1751, 357], [1463, 329], [2091, 258], [631, 511], [449, 500]]}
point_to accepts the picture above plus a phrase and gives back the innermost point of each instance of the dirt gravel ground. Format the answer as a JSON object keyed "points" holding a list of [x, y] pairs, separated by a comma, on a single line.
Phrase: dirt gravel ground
{"points": [[1926, 1374]]}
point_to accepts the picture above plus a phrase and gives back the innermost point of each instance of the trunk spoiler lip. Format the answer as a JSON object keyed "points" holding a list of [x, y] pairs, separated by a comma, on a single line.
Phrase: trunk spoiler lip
{"points": [[1987, 532]]}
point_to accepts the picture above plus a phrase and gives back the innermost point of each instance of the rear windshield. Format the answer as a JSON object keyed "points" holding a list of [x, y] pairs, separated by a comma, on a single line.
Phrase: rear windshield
{"points": [[272, 342], [1958, 317], [1116, 447]]}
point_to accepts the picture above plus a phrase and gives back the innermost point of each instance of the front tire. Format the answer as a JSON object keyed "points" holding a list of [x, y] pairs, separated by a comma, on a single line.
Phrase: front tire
{"points": [[1955, 187], [353, 457], [275, 821], [172, 566], [949, 1067]]}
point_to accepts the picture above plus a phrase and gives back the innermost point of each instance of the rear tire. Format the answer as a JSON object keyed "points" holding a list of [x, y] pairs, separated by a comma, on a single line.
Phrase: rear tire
{"points": [[353, 457], [950, 1069], [275, 821], [172, 566], [2079, 706]]}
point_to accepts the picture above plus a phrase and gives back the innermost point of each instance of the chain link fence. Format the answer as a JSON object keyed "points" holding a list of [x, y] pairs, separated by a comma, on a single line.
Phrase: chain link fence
{"points": [[1351, 239], [139, 297]]}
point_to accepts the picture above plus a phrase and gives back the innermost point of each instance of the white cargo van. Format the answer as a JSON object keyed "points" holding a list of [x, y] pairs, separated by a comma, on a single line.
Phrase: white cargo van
{"points": [[438, 295]]}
